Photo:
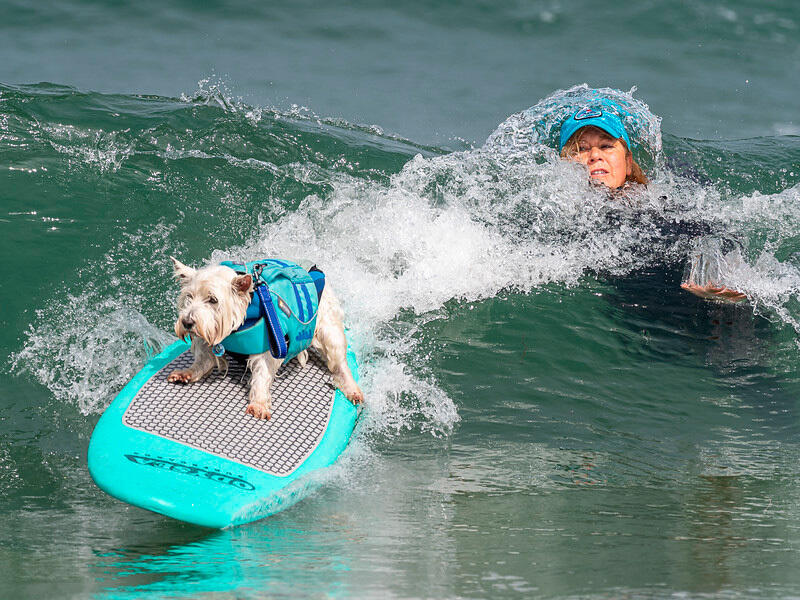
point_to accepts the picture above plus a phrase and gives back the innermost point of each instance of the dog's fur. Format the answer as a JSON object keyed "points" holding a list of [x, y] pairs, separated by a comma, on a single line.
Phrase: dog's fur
{"points": [[213, 303]]}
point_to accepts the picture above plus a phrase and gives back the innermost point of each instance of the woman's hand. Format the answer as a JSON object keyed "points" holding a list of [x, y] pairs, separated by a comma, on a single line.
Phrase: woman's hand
{"points": [[713, 292]]}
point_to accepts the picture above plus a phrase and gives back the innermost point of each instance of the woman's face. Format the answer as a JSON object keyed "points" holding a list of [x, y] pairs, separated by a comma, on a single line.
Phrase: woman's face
{"points": [[606, 158]]}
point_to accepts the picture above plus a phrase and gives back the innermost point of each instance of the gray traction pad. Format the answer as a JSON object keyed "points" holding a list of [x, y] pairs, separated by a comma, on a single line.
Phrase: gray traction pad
{"points": [[210, 414]]}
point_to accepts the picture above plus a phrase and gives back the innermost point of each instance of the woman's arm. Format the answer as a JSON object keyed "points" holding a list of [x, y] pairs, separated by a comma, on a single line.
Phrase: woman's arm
{"points": [[710, 291], [708, 267]]}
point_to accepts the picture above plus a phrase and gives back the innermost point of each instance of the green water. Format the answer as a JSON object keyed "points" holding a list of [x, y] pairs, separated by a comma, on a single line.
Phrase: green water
{"points": [[548, 413]]}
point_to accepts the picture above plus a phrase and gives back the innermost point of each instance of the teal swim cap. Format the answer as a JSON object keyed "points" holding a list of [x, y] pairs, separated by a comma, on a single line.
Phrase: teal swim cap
{"points": [[599, 115]]}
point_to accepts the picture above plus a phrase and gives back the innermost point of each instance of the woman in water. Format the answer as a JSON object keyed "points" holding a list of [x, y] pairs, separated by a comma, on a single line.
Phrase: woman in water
{"points": [[595, 137]]}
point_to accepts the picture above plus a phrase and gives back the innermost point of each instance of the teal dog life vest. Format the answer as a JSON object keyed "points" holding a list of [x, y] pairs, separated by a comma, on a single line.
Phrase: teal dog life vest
{"points": [[282, 314]]}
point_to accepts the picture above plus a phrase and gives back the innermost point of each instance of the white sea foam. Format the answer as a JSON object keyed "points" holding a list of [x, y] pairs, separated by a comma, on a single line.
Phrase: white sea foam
{"points": [[461, 227]]}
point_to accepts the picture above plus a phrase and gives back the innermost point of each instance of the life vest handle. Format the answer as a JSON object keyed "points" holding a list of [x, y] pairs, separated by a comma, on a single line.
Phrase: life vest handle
{"points": [[277, 341]]}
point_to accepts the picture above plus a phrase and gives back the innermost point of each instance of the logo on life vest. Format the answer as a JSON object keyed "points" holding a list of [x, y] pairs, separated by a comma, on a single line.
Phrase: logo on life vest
{"points": [[588, 113], [176, 467], [305, 334]]}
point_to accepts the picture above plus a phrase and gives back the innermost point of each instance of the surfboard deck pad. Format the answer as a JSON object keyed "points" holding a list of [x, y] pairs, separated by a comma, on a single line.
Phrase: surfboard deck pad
{"points": [[191, 452], [210, 414]]}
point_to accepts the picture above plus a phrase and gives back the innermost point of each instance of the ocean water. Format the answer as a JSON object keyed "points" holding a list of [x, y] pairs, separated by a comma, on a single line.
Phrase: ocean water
{"points": [[548, 413]]}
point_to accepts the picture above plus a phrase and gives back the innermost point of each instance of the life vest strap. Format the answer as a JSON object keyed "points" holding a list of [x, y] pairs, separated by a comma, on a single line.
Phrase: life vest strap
{"points": [[277, 341]]}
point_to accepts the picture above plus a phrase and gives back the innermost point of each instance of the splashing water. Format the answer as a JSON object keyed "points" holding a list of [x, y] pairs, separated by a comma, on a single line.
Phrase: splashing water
{"points": [[87, 359], [539, 126]]}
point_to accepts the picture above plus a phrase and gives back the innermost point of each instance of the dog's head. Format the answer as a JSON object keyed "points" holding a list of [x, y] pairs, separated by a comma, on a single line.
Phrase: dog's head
{"points": [[212, 303]]}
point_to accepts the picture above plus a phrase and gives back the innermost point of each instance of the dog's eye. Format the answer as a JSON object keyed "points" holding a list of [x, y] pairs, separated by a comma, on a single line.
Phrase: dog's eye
{"points": [[212, 300]]}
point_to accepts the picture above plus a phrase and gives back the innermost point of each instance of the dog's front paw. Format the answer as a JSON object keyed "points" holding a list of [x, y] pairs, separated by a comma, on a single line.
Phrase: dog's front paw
{"points": [[180, 377], [355, 395], [259, 410]]}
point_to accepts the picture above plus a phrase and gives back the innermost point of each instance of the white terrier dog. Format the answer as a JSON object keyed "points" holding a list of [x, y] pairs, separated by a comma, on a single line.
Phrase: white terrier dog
{"points": [[213, 303]]}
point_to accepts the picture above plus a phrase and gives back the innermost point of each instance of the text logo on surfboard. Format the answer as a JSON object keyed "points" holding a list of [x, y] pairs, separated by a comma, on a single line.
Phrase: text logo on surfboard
{"points": [[175, 467]]}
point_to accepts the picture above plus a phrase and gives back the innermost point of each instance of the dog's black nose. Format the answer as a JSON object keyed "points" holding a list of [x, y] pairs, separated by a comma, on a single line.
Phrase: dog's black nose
{"points": [[188, 323]]}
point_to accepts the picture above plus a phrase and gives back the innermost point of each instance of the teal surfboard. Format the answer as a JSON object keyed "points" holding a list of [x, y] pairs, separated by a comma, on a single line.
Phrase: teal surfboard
{"points": [[190, 452]]}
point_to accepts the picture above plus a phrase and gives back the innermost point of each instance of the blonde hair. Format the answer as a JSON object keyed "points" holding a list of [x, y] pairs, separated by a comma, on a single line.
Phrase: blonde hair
{"points": [[570, 149]]}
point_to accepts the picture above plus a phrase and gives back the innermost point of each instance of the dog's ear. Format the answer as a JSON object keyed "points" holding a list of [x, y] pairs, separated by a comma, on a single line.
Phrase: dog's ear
{"points": [[242, 284], [182, 272]]}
